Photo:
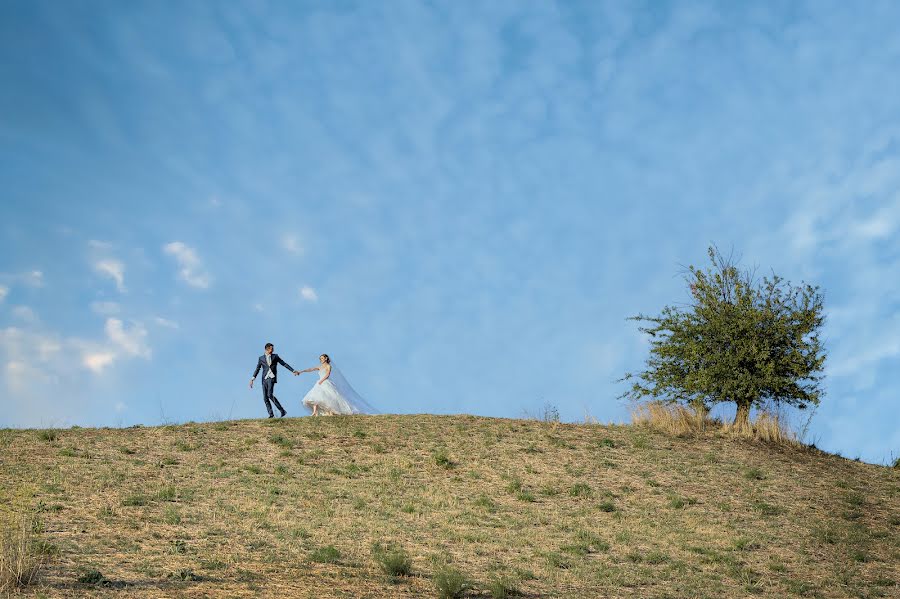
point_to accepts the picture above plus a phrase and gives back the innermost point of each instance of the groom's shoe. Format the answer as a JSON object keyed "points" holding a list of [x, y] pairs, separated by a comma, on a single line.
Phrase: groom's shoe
{"points": [[283, 413], [271, 415]]}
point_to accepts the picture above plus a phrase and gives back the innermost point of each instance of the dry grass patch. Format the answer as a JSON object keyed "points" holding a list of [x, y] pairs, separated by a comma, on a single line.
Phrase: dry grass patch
{"points": [[534, 508], [22, 552]]}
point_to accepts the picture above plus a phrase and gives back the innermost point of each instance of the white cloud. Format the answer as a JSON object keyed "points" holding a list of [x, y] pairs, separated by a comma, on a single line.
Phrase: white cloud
{"points": [[105, 308], [113, 269], [309, 294], [120, 407], [24, 313], [4, 291], [34, 278], [192, 271], [132, 341], [258, 308], [165, 322], [99, 245], [97, 361], [292, 244]]}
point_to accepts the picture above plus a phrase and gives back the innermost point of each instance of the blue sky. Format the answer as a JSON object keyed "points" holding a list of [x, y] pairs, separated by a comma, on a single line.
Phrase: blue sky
{"points": [[460, 202]]}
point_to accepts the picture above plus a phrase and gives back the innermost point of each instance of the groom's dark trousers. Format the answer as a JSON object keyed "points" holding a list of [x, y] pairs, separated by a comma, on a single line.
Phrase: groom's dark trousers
{"points": [[268, 386]]}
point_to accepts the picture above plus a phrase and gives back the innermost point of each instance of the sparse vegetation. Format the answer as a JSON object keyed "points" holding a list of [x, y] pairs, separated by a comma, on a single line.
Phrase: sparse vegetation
{"points": [[393, 560], [22, 553], [325, 555], [450, 583], [588, 511]]}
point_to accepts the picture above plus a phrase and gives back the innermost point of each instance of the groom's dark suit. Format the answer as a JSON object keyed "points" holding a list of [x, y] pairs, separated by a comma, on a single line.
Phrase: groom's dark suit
{"points": [[268, 382]]}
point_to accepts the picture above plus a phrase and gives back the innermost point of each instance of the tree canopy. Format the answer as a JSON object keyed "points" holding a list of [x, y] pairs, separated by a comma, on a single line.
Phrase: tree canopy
{"points": [[739, 340]]}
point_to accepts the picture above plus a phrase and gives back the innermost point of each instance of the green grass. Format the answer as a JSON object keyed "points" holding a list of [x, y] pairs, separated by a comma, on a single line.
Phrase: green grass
{"points": [[325, 555], [450, 583]]}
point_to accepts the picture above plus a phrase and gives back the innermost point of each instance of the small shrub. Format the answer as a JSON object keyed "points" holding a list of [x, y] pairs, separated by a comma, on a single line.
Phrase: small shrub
{"points": [[556, 560], [526, 496], [167, 493], [179, 547], [442, 459], [359, 434], [641, 442], [828, 536], [281, 441], [745, 544], [592, 541], [185, 574], [325, 555], [485, 502], [172, 516], [677, 502], [138, 499], [281, 469], [392, 559], [580, 490], [767, 509], [550, 414], [514, 486], [91, 576], [48, 435], [67, 452], [502, 588], [127, 450], [856, 499], [450, 583], [607, 506], [182, 445], [754, 474]]}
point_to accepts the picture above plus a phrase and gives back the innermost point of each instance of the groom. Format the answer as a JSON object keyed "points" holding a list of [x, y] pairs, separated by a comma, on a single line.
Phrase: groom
{"points": [[269, 362]]}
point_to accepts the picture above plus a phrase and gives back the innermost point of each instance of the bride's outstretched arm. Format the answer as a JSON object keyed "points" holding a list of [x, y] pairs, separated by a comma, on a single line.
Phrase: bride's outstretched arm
{"points": [[314, 368]]}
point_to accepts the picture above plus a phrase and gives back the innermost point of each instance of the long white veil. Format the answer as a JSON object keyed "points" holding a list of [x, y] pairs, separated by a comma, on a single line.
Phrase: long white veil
{"points": [[356, 401]]}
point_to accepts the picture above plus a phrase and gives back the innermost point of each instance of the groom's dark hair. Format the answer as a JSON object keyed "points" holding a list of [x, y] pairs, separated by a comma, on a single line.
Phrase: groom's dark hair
{"points": [[268, 345]]}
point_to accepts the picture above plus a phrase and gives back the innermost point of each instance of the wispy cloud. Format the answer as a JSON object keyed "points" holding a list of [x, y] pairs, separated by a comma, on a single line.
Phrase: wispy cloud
{"points": [[308, 294], [131, 340], [24, 314], [105, 308], [165, 322], [291, 244], [114, 269], [4, 291], [191, 267]]}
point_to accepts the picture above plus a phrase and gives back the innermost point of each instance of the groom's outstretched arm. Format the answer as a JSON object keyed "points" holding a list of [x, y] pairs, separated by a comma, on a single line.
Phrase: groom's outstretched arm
{"points": [[286, 365]]}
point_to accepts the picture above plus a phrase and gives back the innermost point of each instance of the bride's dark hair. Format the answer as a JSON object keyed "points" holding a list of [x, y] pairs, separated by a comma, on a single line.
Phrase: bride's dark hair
{"points": [[327, 359]]}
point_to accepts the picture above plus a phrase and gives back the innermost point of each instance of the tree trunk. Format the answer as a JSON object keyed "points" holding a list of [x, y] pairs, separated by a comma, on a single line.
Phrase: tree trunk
{"points": [[742, 418]]}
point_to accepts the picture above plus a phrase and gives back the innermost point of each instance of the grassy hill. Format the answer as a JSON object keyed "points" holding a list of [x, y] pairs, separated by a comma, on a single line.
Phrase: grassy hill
{"points": [[292, 508]]}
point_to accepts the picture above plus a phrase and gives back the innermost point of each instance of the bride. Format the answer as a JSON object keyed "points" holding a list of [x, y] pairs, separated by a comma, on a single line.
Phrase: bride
{"points": [[332, 394]]}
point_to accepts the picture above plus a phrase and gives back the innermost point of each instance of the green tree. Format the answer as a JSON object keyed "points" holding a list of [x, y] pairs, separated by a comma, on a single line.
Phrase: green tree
{"points": [[739, 340]]}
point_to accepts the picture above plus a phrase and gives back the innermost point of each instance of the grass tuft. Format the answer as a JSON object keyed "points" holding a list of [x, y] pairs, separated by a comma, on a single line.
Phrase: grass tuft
{"points": [[22, 554], [393, 560], [325, 555], [450, 583]]}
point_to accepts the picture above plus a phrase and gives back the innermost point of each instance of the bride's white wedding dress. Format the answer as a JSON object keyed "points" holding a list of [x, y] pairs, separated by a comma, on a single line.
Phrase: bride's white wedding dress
{"points": [[336, 396]]}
